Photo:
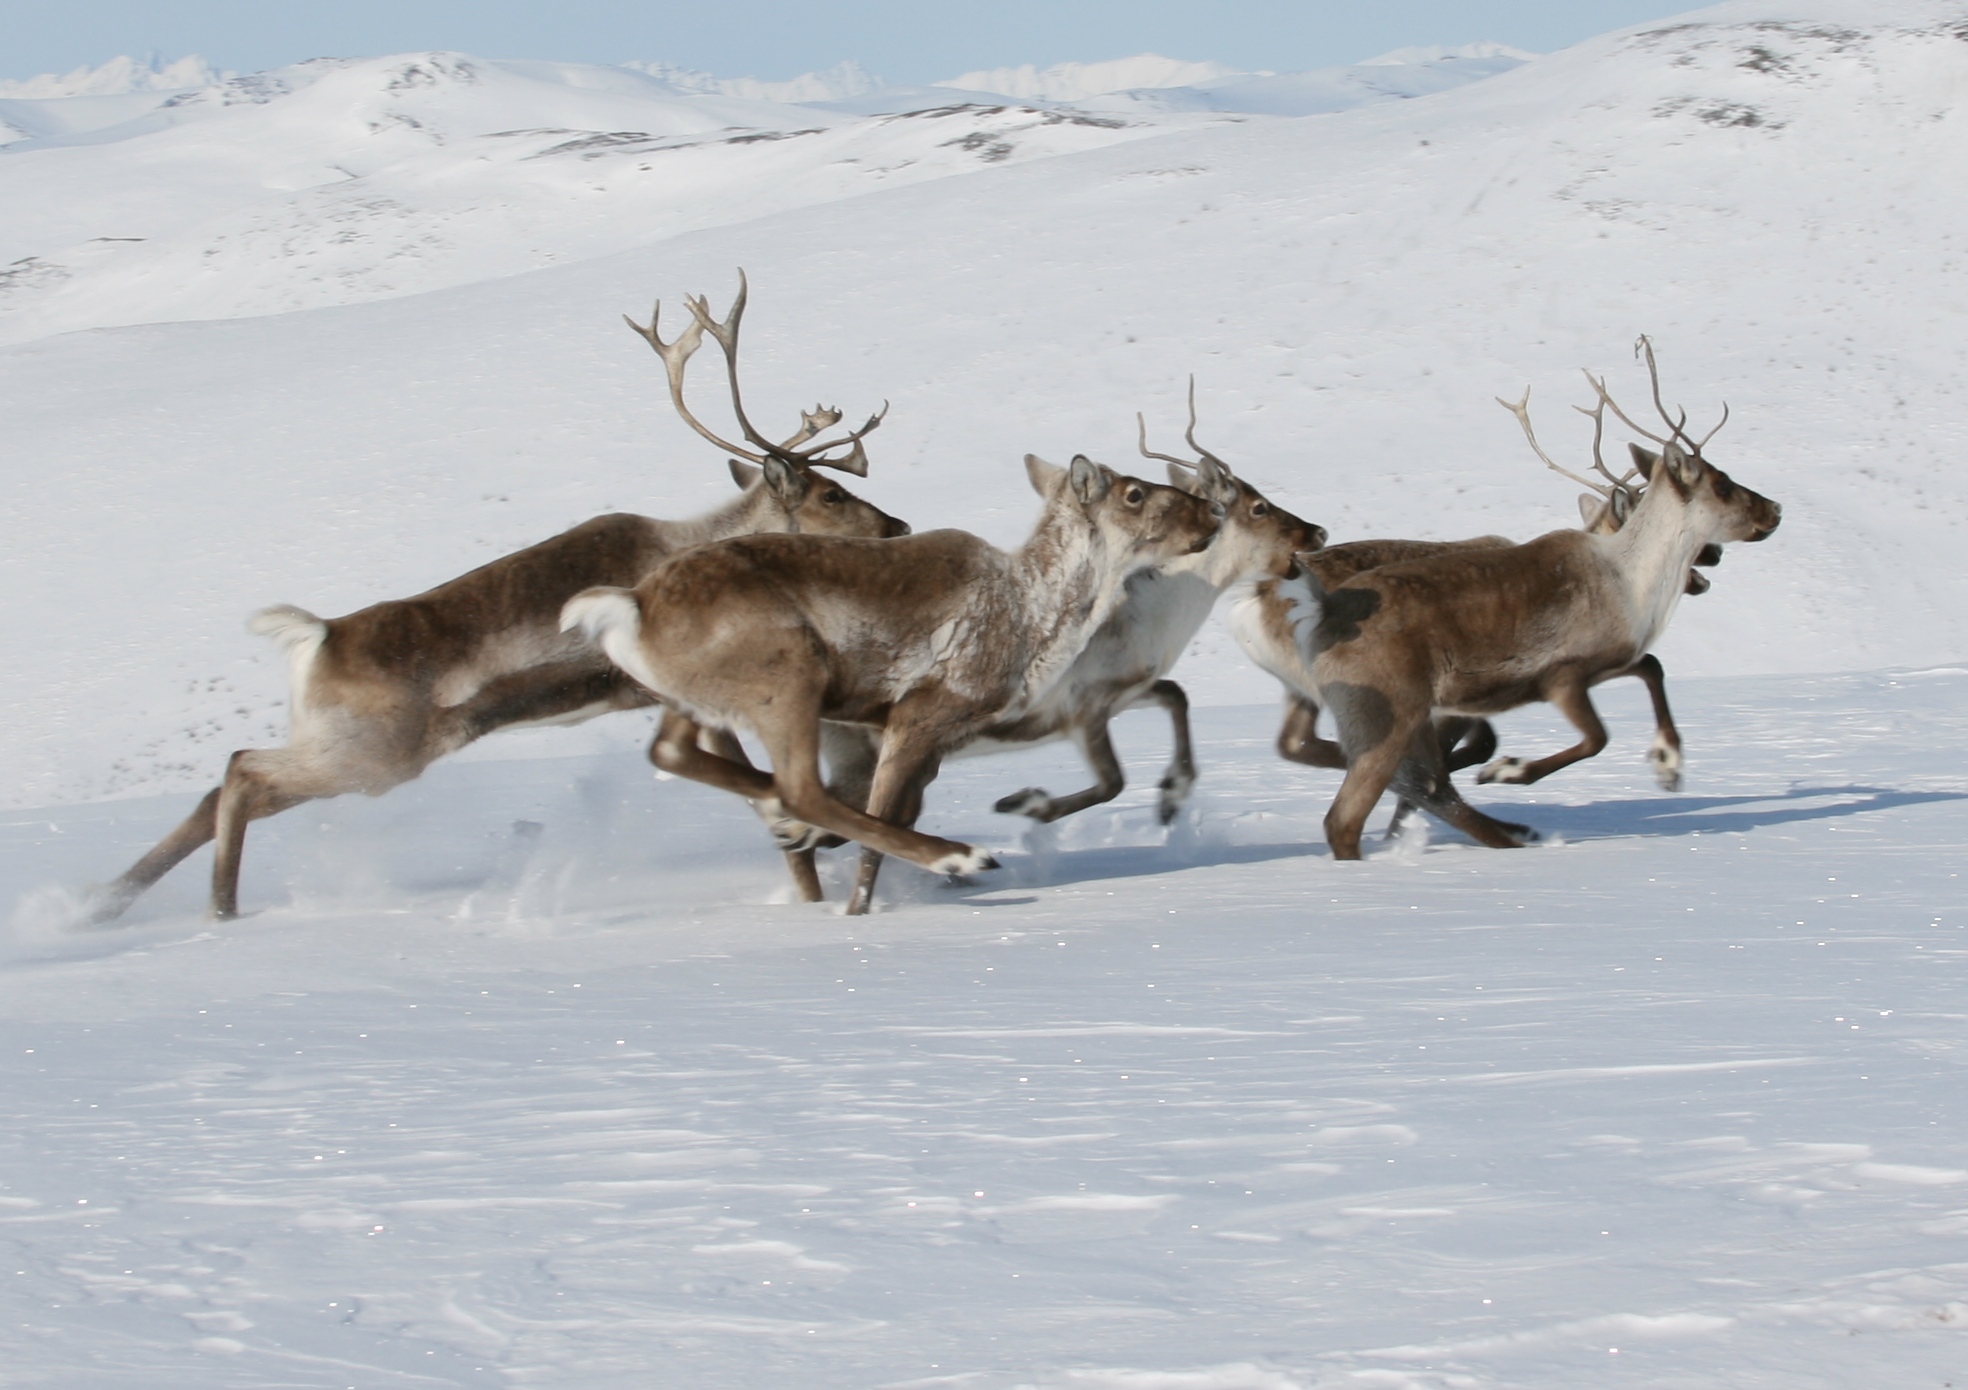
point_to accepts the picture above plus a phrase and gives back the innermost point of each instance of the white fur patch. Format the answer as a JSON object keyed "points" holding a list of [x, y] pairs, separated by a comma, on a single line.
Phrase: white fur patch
{"points": [[1278, 640], [299, 634], [612, 619], [970, 861]]}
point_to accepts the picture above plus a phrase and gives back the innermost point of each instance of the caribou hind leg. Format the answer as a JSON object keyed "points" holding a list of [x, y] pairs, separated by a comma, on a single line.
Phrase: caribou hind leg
{"points": [[895, 795], [196, 830], [262, 782], [1464, 742], [1568, 693]]}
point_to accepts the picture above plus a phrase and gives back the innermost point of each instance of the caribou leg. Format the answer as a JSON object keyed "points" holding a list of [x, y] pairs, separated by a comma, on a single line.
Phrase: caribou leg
{"points": [[1568, 693], [1664, 754], [1299, 741], [1109, 781], [111, 900], [900, 800], [1181, 775]]}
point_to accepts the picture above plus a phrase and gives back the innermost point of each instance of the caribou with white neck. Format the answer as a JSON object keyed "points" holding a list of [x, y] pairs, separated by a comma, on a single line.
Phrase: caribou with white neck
{"points": [[1480, 631]]}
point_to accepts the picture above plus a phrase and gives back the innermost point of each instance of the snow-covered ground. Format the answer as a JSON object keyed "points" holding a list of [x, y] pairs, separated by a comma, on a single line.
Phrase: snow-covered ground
{"points": [[1669, 1100], [586, 1103]]}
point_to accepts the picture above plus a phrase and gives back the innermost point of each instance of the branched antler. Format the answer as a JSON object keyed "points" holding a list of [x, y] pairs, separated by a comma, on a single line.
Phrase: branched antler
{"points": [[1522, 410], [677, 354]]}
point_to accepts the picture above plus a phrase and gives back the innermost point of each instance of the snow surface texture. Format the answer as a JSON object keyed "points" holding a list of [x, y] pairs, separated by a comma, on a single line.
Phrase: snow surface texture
{"points": [[1669, 1100], [1771, 199]]}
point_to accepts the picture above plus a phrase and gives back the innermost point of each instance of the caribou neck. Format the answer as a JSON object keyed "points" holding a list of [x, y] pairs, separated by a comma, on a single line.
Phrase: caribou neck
{"points": [[1652, 553], [754, 511], [1068, 584]]}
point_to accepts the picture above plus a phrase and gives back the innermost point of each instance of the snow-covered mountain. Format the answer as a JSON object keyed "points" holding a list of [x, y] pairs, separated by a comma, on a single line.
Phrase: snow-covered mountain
{"points": [[121, 76], [1768, 195], [1076, 81], [337, 181]]}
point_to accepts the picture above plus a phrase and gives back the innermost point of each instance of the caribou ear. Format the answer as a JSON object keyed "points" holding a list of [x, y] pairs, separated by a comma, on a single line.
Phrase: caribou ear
{"points": [[1182, 476], [1645, 460], [1218, 484], [1043, 476], [1622, 505], [1590, 505], [788, 484], [1090, 480], [1685, 467], [746, 475]]}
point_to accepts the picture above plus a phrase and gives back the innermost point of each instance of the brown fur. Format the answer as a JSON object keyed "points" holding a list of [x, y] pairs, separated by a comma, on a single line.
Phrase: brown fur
{"points": [[1482, 631], [932, 638], [397, 685]]}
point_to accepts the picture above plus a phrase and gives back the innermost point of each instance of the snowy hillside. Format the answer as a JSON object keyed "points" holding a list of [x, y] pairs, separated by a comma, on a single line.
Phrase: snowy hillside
{"points": [[338, 181]]}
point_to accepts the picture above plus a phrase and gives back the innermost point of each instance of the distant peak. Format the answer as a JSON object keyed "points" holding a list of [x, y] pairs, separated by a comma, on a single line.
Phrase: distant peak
{"points": [[1437, 53], [837, 83], [1075, 81], [115, 78]]}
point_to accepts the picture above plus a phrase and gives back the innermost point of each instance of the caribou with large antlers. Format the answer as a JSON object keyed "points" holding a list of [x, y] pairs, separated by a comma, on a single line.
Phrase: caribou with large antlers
{"points": [[932, 639], [1480, 631], [382, 693]]}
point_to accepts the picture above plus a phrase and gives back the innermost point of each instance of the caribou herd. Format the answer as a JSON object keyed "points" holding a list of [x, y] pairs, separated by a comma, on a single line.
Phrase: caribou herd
{"points": [[860, 655]]}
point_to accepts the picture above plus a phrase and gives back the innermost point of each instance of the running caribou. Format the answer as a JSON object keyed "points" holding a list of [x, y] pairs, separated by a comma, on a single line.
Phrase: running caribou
{"points": [[1126, 663], [1479, 628], [380, 694], [933, 639]]}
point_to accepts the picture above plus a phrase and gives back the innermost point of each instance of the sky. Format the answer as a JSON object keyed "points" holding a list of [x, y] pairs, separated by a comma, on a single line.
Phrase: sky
{"points": [[900, 40]]}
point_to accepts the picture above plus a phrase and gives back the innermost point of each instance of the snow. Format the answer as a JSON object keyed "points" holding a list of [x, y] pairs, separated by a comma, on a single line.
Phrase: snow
{"points": [[530, 1073], [1664, 1101]]}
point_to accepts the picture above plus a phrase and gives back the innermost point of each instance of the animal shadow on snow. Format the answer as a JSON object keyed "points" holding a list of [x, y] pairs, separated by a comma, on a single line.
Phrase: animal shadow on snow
{"points": [[1712, 815]]}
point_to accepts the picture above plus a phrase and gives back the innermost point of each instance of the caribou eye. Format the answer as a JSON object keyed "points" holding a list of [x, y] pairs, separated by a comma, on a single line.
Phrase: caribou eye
{"points": [[1260, 509], [1134, 496], [833, 495]]}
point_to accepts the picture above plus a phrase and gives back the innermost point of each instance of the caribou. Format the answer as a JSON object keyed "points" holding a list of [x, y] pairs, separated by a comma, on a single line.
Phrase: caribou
{"points": [[1483, 629], [380, 694], [933, 639], [1264, 619], [1125, 664]]}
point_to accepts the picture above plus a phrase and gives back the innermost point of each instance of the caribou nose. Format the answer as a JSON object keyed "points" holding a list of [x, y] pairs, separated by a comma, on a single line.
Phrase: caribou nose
{"points": [[1315, 538], [898, 527]]}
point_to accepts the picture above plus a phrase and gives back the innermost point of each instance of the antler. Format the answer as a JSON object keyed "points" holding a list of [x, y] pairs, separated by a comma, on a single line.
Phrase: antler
{"points": [[1677, 427], [1203, 455], [1522, 410], [814, 422]]}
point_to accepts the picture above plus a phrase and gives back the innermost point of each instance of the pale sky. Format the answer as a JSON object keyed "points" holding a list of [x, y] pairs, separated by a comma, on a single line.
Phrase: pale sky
{"points": [[900, 40]]}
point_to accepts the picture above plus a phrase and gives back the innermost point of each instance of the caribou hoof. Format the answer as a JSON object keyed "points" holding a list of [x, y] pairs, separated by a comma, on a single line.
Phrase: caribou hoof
{"points": [[1035, 802], [1175, 794], [964, 862], [1502, 770], [1666, 762]]}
